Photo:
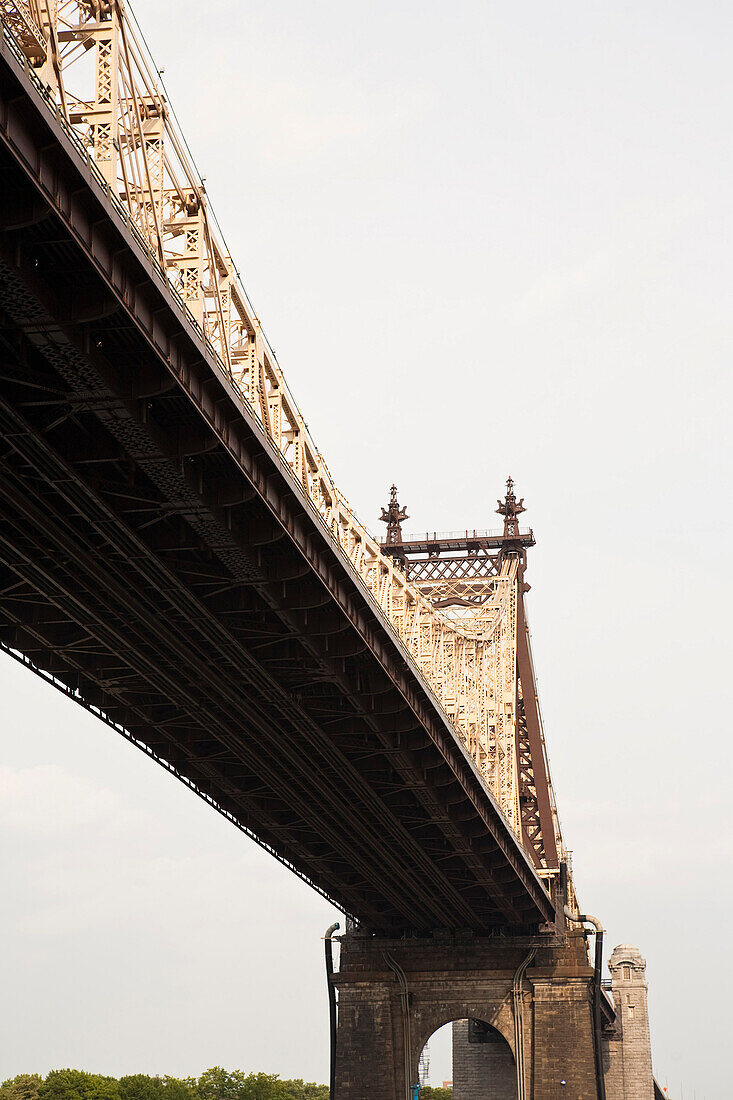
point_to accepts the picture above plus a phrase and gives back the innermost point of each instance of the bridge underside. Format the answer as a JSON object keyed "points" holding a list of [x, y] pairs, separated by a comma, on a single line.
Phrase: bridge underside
{"points": [[159, 562]]}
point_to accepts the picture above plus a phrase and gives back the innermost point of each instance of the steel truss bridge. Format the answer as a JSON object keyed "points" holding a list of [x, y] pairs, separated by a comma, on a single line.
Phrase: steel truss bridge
{"points": [[176, 557]]}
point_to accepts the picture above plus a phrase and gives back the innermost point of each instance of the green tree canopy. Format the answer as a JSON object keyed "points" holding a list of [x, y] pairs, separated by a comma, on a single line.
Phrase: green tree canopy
{"points": [[139, 1086], [214, 1084], [25, 1086], [220, 1084], [75, 1084], [180, 1088], [306, 1090]]}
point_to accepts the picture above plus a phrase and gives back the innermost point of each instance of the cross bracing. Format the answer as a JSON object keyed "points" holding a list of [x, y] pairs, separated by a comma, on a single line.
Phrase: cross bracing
{"points": [[466, 635]]}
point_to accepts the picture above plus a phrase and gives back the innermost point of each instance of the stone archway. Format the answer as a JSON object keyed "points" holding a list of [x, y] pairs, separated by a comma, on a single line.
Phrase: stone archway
{"points": [[483, 1063], [492, 1013]]}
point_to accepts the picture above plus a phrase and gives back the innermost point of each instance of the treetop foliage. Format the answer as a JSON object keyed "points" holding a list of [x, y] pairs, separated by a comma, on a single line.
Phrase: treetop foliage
{"points": [[214, 1084]]}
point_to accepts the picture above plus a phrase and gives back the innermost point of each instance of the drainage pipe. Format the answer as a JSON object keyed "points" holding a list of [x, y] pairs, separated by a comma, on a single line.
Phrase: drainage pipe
{"points": [[519, 1023], [407, 1041], [585, 918], [331, 1004]]}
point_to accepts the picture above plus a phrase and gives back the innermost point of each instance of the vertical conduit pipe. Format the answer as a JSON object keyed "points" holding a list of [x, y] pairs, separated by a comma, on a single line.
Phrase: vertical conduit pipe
{"points": [[584, 918], [331, 1006], [519, 1023], [407, 1040]]}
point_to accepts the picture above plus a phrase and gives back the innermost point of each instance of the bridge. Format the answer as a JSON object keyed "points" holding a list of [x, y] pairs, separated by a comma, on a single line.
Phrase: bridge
{"points": [[176, 557]]}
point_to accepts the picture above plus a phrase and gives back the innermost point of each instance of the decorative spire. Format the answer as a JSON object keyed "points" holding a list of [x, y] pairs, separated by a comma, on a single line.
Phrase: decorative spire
{"points": [[510, 508], [393, 516]]}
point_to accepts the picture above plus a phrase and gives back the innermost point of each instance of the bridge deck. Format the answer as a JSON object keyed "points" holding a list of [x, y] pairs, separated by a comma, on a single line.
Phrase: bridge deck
{"points": [[159, 561]]}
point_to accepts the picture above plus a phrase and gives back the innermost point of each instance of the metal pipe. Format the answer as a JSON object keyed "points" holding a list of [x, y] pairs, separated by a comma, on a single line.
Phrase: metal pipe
{"points": [[585, 918], [407, 1041], [519, 1022], [331, 1005]]}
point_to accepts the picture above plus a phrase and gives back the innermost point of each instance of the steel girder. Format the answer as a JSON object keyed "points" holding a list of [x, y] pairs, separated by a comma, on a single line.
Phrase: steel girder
{"points": [[161, 561]]}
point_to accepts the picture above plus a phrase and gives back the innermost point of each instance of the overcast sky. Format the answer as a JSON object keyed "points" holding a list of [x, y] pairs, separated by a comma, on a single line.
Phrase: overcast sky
{"points": [[484, 239]]}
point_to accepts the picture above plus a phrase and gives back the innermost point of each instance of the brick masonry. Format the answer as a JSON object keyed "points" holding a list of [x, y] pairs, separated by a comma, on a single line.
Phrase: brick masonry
{"points": [[457, 978]]}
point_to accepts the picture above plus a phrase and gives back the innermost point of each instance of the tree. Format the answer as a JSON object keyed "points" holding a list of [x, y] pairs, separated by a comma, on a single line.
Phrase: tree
{"points": [[25, 1086], [214, 1084], [306, 1090], [221, 1084], [138, 1086], [75, 1084], [180, 1088], [263, 1086]]}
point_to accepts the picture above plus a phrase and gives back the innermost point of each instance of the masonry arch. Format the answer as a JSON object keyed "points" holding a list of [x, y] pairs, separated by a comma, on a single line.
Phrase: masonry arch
{"points": [[474, 1054], [432, 1011]]}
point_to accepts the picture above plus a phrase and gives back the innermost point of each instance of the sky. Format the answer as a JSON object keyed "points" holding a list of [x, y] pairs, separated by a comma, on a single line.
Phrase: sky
{"points": [[484, 240]]}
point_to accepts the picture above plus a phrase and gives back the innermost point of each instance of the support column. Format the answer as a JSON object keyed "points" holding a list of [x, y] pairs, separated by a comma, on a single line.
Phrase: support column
{"points": [[368, 1054], [393, 994], [564, 1059]]}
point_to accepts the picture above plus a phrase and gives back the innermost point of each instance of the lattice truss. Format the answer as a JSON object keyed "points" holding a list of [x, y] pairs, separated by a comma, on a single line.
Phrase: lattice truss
{"points": [[106, 90], [457, 584]]}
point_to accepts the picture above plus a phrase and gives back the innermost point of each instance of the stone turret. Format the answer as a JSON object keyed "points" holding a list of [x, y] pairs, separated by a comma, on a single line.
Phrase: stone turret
{"points": [[629, 1053]]}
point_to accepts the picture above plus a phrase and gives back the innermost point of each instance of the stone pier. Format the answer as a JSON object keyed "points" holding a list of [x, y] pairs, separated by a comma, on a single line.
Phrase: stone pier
{"points": [[393, 994]]}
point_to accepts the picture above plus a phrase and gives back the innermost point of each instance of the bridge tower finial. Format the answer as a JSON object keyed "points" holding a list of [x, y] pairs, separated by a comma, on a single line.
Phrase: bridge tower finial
{"points": [[510, 508], [393, 516]]}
